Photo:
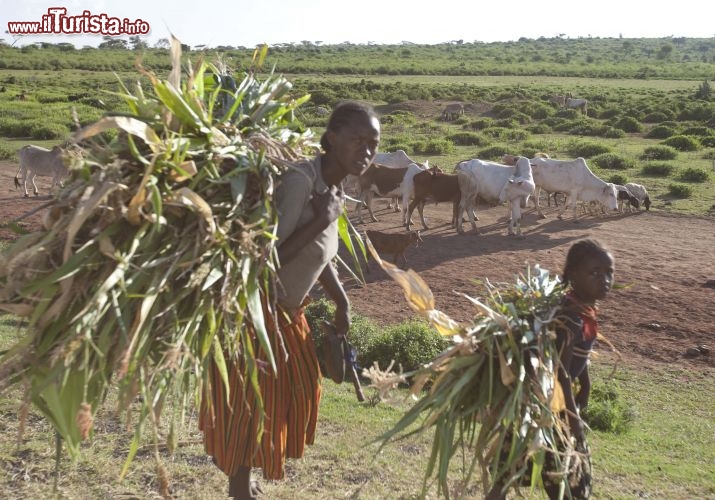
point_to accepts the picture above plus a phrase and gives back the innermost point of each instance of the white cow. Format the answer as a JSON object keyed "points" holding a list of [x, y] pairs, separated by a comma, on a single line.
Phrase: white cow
{"points": [[574, 178], [581, 104], [35, 161], [494, 183]]}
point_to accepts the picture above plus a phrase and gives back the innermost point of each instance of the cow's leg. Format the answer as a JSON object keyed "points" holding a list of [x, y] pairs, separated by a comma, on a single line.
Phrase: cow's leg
{"points": [[368, 202], [537, 195], [405, 204], [408, 218], [358, 207], [35, 191], [421, 208], [466, 205]]}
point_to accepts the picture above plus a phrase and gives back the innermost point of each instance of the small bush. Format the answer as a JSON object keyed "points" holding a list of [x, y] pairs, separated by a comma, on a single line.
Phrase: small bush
{"points": [[493, 153], [611, 161], [682, 143], [658, 169], [538, 128], [698, 131], [606, 411], [49, 131], [656, 117], [694, 175], [468, 139], [586, 149], [659, 153], [629, 124], [708, 142], [409, 344], [709, 155], [434, 147], [479, 124], [680, 190], [7, 153], [618, 179], [612, 133], [660, 132]]}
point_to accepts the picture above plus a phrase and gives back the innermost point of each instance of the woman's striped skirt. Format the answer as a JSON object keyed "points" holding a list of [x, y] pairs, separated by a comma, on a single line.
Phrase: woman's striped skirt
{"points": [[290, 397]]}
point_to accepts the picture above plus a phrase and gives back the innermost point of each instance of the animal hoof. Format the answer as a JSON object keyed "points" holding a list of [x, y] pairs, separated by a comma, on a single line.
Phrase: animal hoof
{"points": [[542, 216]]}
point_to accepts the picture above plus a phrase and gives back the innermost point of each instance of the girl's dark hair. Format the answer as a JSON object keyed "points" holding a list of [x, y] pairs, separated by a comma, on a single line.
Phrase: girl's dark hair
{"points": [[578, 252], [344, 114]]}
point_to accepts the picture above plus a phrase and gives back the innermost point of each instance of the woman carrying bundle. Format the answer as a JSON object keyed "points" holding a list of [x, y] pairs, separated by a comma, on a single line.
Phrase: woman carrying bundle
{"points": [[308, 201], [588, 273]]}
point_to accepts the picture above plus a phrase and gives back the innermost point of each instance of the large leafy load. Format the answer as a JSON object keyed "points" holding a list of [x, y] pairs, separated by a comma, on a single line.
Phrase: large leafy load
{"points": [[494, 395], [156, 252]]}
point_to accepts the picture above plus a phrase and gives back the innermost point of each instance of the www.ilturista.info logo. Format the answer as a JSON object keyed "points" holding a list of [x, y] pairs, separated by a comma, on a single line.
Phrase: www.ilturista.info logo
{"points": [[57, 22]]}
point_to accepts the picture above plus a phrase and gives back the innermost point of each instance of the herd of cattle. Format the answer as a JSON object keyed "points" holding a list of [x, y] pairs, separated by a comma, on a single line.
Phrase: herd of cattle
{"points": [[395, 175], [514, 181]]}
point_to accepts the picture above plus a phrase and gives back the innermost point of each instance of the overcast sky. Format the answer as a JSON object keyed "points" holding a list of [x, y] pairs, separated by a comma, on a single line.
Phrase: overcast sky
{"points": [[249, 23]]}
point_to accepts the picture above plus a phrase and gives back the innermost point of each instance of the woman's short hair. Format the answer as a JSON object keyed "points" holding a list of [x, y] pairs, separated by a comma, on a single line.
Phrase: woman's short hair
{"points": [[342, 115]]}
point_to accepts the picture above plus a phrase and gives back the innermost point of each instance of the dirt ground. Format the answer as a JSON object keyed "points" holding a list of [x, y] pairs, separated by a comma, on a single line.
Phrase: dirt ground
{"points": [[667, 261]]}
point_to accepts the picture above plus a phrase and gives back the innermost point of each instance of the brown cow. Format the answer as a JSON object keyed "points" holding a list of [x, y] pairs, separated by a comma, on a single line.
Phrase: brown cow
{"points": [[437, 187]]}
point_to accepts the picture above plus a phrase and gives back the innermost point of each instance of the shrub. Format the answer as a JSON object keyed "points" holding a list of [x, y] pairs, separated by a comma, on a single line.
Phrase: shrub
{"points": [[698, 131], [656, 117], [629, 124], [660, 132], [586, 149], [680, 190], [586, 129], [709, 155], [682, 143], [612, 133], [6, 153], [618, 179], [606, 411], [538, 128], [612, 161], [410, 344], [694, 175], [708, 142], [434, 147], [493, 153], [658, 169], [468, 139], [479, 124], [659, 153], [49, 131]]}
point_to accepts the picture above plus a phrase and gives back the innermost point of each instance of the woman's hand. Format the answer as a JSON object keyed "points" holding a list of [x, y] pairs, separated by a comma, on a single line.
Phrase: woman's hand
{"points": [[342, 320], [328, 205]]}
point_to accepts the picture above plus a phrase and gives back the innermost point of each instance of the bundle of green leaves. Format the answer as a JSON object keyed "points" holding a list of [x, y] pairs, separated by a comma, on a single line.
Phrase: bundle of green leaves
{"points": [[494, 394], [156, 253]]}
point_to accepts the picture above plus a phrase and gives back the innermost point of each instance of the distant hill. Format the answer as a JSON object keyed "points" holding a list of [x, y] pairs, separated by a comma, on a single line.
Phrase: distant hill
{"points": [[642, 58]]}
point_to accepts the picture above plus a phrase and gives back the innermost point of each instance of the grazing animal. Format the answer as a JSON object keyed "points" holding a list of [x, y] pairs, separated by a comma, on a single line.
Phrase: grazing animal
{"points": [[35, 161], [625, 197], [574, 178], [393, 243], [381, 181], [452, 111], [394, 159], [435, 186], [581, 104], [640, 192], [495, 183], [559, 100]]}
